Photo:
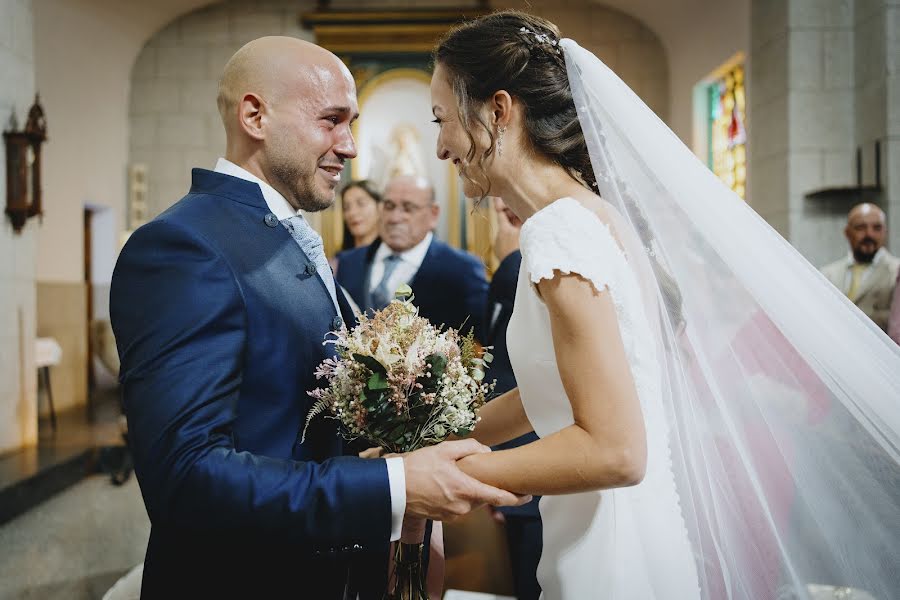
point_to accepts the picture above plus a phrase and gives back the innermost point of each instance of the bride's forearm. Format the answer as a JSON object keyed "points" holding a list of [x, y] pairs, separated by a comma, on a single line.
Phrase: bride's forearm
{"points": [[606, 445], [502, 419], [567, 462]]}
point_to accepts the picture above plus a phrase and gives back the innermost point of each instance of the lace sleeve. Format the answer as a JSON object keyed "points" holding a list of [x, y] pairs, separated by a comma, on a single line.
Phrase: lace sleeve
{"points": [[568, 238]]}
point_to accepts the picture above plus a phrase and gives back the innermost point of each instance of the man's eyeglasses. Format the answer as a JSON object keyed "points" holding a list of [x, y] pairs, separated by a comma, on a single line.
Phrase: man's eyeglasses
{"points": [[408, 208]]}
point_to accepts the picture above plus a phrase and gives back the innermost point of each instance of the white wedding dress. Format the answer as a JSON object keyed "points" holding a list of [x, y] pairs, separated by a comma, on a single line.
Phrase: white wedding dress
{"points": [[595, 543]]}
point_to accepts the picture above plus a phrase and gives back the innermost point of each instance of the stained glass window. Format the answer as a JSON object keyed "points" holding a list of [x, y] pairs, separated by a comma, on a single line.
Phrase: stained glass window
{"points": [[727, 137]]}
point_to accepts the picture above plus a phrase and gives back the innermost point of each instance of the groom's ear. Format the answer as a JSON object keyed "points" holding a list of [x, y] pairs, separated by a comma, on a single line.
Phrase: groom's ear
{"points": [[251, 115], [501, 108]]}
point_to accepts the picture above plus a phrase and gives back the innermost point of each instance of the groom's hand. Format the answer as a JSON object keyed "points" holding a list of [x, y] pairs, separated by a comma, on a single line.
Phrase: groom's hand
{"points": [[437, 489]]}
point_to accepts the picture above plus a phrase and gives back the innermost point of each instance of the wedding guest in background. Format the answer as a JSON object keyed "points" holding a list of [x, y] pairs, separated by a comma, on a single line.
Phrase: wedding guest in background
{"points": [[449, 285], [868, 274], [360, 206], [360, 202]]}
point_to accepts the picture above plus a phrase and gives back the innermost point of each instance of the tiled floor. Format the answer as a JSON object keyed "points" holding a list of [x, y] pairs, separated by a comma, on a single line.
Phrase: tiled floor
{"points": [[75, 545], [79, 533], [61, 457]]}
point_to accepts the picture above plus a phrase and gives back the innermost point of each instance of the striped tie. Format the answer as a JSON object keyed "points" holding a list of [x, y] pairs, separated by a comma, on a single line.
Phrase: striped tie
{"points": [[381, 295], [856, 272]]}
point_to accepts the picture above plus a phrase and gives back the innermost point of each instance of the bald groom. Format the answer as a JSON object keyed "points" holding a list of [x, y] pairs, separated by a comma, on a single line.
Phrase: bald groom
{"points": [[219, 307]]}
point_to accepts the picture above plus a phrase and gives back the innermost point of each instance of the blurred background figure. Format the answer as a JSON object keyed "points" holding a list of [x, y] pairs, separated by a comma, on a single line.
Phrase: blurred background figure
{"points": [[868, 274], [360, 201], [894, 317], [523, 523], [449, 285]]}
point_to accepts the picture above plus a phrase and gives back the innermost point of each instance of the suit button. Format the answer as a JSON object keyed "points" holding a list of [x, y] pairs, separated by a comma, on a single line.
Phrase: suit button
{"points": [[271, 220], [337, 323], [310, 269]]}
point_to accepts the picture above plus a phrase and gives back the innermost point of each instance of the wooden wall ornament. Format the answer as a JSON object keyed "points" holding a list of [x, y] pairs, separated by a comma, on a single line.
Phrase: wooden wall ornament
{"points": [[23, 166]]}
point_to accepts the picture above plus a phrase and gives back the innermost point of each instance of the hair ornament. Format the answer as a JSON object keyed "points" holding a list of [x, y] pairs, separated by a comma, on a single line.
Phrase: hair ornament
{"points": [[542, 38]]}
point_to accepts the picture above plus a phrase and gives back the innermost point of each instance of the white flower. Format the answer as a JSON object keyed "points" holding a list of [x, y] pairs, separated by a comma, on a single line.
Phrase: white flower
{"points": [[412, 357]]}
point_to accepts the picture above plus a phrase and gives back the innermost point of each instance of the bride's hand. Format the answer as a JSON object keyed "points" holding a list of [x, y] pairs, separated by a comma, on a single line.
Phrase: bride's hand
{"points": [[372, 453]]}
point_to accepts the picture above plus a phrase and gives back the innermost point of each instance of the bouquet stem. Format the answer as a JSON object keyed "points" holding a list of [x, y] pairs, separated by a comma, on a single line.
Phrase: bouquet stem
{"points": [[409, 573]]}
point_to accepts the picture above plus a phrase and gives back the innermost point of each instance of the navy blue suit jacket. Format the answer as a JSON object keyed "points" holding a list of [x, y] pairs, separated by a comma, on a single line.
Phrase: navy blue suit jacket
{"points": [[219, 323], [449, 288], [501, 301]]}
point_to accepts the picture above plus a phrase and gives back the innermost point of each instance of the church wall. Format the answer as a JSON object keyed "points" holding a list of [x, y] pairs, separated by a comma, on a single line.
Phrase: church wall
{"points": [[698, 41], [625, 44], [878, 101], [820, 87], [174, 123], [891, 151], [821, 126], [84, 51], [18, 375], [767, 115]]}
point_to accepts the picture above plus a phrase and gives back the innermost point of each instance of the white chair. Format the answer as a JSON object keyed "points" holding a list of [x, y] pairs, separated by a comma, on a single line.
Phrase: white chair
{"points": [[47, 352], [105, 345]]}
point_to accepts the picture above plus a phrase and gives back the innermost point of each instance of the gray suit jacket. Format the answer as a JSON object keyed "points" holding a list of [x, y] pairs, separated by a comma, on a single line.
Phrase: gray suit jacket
{"points": [[877, 289]]}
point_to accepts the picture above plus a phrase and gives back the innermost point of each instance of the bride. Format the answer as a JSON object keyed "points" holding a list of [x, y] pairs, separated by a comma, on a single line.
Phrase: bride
{"points": [[715, 420]]}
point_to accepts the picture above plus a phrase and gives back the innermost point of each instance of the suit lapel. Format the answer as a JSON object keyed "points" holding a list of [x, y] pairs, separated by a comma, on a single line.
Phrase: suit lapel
{"points": [[426, 269], [366, 293], [249, 193], [346, 311]]}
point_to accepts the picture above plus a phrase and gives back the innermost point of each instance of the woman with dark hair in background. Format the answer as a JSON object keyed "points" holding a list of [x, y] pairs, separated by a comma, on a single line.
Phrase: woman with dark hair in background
{"points": [[360, 200], [360, 204]]}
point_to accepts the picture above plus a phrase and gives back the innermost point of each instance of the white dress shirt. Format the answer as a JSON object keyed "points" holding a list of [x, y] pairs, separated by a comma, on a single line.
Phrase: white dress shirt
{"points": [[410, 261], [867, 271], [281, 208]]}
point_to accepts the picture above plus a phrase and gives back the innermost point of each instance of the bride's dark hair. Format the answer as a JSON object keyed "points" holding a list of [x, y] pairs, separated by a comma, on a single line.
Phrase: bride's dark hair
{"points": [[517, 52]]}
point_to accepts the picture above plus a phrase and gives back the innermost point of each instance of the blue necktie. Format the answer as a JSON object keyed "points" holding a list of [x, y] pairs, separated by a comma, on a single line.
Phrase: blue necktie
{"points": [[381, 295], [311, 243]]}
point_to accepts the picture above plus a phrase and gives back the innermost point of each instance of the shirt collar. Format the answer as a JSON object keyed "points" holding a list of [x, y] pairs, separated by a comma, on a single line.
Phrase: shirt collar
{"points": [[277, 203], [413, 256], [875, 260]]}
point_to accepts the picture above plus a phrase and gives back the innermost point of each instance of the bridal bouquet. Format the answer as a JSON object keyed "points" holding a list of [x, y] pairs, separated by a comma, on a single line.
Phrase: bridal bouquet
{"points": [[402, 384]]}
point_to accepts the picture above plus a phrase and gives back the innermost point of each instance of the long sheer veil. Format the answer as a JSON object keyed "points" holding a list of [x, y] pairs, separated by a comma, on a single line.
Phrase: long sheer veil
{"points": [[782, 398]]}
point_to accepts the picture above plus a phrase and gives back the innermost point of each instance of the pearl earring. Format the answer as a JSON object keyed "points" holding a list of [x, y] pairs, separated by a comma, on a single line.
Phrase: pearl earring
{"points": [[500, 131]]}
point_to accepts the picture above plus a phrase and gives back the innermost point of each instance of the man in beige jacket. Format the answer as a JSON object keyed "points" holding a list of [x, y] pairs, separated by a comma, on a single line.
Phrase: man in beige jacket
{"points": [[894, 318], [867, 275]]}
